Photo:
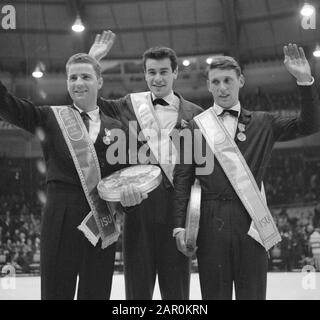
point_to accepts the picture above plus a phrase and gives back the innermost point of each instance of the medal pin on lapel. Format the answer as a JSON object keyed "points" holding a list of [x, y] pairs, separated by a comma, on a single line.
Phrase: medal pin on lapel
{"points": [[241, 135], [107, 138], [183, 123]]}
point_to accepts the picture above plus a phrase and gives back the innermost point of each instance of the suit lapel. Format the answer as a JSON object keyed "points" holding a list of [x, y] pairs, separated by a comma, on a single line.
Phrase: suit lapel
{"points": [[245, 116], [106, 123], [183, 114]]}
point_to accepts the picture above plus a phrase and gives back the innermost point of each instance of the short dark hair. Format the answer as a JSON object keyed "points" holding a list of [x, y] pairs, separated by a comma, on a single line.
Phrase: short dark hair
{"points": [[225, 63], [159, 53], [84, 58]]}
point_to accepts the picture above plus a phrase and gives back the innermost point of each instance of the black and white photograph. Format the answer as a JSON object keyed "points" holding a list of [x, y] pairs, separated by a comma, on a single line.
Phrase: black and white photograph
{"points": [[161, 150]]}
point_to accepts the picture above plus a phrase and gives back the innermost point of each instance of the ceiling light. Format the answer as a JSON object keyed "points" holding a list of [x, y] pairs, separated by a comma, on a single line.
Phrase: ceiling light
{"points": [[209, 60], [37, 74], [316, 52], [78, 25], [186, 63], [38, 71], [307, 10]]}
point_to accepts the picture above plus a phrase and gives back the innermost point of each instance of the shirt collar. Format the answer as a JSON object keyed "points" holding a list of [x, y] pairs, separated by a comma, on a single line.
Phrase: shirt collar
{"points": [[94, 115], [218, 110]]}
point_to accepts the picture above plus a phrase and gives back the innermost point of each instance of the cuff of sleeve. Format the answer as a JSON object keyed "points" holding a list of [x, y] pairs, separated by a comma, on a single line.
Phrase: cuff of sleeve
{"points": [[308, 83], [176, 231], [129, 209]]}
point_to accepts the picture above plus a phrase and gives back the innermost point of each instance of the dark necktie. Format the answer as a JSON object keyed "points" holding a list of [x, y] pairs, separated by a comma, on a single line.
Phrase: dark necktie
{"points": [[160, 101], [233, 113], [85, 118]]}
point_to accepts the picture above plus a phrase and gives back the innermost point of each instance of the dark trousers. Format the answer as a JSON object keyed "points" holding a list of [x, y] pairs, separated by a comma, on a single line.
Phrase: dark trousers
{"points": [[150, 250], [66, 253], [227, 255]]}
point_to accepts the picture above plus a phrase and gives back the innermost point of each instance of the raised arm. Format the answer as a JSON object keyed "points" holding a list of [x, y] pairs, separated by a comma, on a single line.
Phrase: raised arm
{"points": [[20, 112], [308, 121]]}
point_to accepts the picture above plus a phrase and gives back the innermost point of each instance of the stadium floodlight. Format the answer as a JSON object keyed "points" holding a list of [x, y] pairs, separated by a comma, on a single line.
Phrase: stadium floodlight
{"points": [[78, 25], [307, 10], [316, 52]]}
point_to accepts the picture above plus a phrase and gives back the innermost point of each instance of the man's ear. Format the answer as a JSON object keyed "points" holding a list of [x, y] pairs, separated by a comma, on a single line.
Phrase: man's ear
{"points": [[100, 83], [175, 74], [242, 80], [208, 85]]}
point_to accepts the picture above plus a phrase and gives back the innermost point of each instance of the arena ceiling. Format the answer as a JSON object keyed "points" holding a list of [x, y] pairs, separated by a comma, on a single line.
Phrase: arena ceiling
{"points": [[247, 29]]}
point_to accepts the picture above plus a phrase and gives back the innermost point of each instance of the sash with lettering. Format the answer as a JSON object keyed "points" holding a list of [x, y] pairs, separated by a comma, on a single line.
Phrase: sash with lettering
{"points": [[100, 222], [158, 140], [166, 154], [236, 169]]}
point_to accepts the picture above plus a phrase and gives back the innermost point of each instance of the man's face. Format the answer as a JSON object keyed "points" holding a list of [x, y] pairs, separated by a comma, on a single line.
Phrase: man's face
{"points": [[224, 86], [83, 85], [159, 76]]}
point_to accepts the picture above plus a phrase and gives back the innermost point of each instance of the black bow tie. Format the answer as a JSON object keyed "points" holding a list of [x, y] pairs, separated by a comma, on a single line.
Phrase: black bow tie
{"points": [[229, 111], [160, 101]]}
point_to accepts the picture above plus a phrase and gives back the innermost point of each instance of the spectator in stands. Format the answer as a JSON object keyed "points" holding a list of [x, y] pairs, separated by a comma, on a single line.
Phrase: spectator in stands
{"points": [[286, 247], [316, 217], [315, 247]]}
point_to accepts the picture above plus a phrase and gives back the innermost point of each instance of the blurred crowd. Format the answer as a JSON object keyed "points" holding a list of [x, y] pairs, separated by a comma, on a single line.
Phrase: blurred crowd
{"points": [[292, 179], [293, 176], [296, 248], [264, 101], [20, 215]]}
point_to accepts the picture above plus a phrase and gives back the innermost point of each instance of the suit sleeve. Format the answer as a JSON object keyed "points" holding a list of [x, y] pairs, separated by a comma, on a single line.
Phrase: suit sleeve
{"points": [[117, 109], [308, 121], [110, 107], [20, 112], [183, 178], [197, 110]]}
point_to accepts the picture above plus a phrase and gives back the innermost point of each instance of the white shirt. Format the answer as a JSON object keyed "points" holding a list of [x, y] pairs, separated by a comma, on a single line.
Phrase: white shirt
{"points": [[167, 115], [230, 122], [94, 122]]}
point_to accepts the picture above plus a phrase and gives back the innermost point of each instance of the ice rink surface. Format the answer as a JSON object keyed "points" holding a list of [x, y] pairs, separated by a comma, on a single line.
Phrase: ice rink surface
{"points": [[281, 286]]}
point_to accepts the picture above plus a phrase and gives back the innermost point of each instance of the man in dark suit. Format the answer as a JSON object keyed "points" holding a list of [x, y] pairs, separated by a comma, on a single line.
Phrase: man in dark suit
{"points": [[149, 246], [226, 253], [65, 251]]}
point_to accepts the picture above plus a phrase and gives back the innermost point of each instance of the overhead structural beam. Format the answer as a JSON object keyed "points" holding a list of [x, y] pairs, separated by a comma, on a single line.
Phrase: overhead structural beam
{"points": [[231, 26], [121, 30]]}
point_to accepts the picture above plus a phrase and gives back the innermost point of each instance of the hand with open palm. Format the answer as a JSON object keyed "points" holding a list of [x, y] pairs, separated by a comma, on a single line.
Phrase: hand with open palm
{"points": [[102, 45], [296, 63]]}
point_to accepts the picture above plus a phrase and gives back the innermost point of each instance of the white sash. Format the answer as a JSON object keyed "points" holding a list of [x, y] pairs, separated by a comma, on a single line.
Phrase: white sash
{"points": [[159, 143], [240, 176], [100, 221]]}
